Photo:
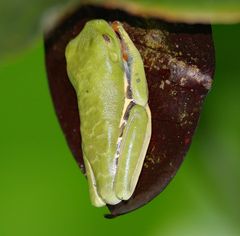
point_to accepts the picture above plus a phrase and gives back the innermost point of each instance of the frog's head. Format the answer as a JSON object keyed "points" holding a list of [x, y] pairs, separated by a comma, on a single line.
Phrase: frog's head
{"points": [[101, 40], [95, 46]]}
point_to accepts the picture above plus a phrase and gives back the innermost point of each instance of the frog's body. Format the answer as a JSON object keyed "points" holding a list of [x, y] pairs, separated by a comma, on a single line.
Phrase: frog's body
{"points": [[115, 127]]}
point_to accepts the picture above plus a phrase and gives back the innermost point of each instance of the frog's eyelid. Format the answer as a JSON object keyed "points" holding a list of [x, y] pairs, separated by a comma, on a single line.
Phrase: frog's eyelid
{"points": [[107, 38]]}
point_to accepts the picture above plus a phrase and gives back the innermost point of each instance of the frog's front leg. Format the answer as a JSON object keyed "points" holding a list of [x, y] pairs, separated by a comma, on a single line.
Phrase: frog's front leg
{"points": [[133, 148]]}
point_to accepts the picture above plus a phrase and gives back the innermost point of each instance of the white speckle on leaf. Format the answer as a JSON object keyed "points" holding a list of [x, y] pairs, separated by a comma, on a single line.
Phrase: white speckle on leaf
{"points": [[162, 85]]}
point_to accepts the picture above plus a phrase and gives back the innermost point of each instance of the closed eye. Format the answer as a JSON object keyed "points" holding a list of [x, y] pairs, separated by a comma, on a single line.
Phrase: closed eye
{"points": [[106, 38]]}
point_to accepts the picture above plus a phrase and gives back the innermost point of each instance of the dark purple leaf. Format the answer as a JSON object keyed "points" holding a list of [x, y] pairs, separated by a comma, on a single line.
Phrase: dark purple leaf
{"points": [[179, 66]]}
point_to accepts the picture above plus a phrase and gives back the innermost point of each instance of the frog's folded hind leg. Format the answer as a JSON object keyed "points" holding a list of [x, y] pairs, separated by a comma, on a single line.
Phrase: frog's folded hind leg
{"points": [[135, 141], [94, 196]]}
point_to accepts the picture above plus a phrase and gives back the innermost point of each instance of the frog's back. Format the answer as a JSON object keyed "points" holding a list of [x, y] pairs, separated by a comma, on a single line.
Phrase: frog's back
{"points": [[97, 74]]}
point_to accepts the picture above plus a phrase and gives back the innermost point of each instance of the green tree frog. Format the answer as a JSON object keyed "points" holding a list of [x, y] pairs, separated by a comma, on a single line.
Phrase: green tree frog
{"points": [[107, 73]]}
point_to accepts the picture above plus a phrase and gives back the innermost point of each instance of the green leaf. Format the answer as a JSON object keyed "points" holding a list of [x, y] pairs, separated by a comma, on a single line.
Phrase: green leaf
{"points": [[20, 22], [204, 11]]}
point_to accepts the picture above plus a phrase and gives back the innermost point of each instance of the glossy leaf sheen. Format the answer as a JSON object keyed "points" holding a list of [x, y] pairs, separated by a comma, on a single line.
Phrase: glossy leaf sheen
{"points": [[179, 66], [205, 11]]}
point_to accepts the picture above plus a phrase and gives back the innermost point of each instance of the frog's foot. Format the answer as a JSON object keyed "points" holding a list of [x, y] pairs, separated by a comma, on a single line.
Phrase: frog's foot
{"points": [[94, 196], [100, 187]]}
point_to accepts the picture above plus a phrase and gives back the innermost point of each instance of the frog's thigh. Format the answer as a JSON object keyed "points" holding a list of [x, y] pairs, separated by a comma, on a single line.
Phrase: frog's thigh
{"points": [[95, 198], [133, 149]]}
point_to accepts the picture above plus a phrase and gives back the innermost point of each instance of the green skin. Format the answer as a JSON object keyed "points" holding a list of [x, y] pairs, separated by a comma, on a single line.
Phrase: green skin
{"points": [[97, 71]]}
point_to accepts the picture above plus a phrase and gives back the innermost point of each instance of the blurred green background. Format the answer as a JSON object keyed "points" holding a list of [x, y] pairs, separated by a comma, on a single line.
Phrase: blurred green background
{"points": [[42, 191]]}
